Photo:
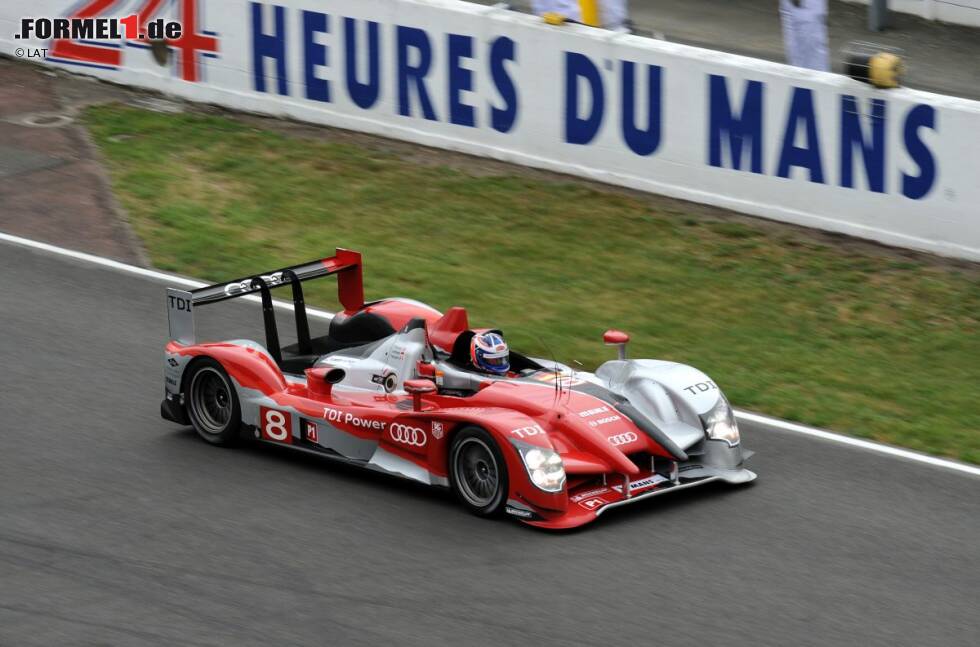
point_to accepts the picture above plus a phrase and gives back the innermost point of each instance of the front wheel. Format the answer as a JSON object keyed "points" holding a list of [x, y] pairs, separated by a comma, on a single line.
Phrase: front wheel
{"points": [[212, 403], [477, 472]]}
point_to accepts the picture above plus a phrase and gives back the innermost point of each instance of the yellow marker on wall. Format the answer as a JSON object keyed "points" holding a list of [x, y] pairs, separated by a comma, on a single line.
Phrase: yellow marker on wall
{"points": [[553, 18]]}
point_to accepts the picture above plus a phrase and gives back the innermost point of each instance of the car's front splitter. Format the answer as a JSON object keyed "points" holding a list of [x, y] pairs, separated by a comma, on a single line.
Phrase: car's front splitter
{"points": [[586, 506]]}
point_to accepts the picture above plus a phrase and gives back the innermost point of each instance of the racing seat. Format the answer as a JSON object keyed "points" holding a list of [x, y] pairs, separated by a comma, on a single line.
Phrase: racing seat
{"points": [[344, 332], [359, 328]]}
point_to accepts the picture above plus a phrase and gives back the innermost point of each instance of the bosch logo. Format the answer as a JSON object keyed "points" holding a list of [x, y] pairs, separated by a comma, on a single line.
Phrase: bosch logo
{"points": [[411, 436], [623, 439]]}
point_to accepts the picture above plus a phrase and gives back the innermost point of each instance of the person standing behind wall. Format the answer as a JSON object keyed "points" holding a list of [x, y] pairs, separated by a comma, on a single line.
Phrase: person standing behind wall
{"points": [[608, 14], [805, 33]]}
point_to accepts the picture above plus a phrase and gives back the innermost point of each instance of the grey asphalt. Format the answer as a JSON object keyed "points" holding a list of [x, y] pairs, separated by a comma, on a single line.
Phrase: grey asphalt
{"points": [[119, 528]]}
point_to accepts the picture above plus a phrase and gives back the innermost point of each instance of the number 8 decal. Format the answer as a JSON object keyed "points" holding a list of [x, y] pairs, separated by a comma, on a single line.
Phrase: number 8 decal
{"points": [[276, 425]]}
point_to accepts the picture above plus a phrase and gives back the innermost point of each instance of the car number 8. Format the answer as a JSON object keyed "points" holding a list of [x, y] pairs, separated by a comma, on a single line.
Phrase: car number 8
{"points": [[275, 425]]}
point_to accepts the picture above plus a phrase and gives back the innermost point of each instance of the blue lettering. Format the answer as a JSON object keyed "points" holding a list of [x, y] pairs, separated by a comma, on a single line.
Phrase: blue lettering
{"points": [[808, 156], [747, 125], [577, 129], [918, 186], [408, 75], [872, 153], [269, 46], [502, 119], [460, 80], [364, 95], [640, 141], [315, 54]]}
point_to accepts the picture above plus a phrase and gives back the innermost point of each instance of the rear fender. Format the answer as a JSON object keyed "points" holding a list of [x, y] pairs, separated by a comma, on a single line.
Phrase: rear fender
{"points": [[247, 362]]}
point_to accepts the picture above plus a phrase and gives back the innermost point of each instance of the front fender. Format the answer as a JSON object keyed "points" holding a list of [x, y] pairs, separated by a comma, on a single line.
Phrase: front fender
{"points": [[508, 427]]}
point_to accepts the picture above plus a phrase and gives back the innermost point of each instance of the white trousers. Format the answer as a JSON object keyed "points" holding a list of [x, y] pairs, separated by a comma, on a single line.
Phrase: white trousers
{"points": [[805, 33]]}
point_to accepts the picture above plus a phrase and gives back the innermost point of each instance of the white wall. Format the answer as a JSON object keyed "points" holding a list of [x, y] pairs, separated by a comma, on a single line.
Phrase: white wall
{"points": [[961, 12], [923, 193]]}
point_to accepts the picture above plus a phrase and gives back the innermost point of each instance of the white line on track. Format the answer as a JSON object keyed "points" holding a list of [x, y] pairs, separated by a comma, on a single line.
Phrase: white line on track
{"points": [[172, 279], [785, 425], [765, 421]]}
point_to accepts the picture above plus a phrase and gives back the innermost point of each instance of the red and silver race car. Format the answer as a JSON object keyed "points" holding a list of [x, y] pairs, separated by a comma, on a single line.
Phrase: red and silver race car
{"points": [[391, 387]]}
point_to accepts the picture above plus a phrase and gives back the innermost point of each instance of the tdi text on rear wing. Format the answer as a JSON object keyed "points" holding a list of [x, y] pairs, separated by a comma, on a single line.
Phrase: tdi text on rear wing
{"points": [[346, 264]]}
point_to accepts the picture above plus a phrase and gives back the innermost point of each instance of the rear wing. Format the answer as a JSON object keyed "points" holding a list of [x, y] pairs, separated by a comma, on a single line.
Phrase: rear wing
{"points": [[346, 264]]}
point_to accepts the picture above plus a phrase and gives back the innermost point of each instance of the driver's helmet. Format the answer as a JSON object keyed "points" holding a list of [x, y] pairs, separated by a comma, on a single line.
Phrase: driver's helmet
{"points": [[489, 352]]}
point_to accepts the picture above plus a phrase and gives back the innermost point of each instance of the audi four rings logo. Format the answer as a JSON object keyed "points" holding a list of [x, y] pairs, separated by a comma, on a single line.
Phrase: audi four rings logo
{"points": [[412, 436], [623, 439]]}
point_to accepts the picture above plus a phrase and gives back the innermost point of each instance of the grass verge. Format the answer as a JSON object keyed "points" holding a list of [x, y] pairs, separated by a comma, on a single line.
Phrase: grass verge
{"points": [[800, 326]]}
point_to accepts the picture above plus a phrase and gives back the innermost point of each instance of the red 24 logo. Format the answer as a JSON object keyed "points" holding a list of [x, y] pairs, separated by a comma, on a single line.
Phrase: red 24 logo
{"points": [[276, 425], [187, 47]]}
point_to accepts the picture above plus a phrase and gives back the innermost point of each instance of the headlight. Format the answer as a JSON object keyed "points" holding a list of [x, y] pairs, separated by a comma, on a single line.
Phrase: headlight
{"points": [[719, 423], [544, 467]]}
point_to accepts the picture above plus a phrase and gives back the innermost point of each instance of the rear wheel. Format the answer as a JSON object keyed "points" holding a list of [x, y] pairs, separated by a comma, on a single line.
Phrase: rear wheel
{"points": [[477, 472], [212, 403]]}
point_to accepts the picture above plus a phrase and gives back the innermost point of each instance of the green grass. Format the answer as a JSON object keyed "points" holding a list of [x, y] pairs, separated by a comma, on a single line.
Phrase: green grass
{"points": [[843, 336]]}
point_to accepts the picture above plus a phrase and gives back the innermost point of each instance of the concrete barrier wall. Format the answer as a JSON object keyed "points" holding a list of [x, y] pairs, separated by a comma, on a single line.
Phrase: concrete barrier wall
{"points": [[803, 147]]}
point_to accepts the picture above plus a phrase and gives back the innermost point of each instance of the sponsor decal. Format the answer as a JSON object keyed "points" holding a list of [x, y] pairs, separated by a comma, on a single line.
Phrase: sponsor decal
{"points": [[437, 430], [525, 432], [172, 361], [563, 379], [275, 425], [623, 439], [643, 483], [178, 303], [407, 435], [272, 280], [388, 380], [171, 381], [309, 431], [604, 421], [592, 504], [589, 494], [398, 351], [517, 512], [593, 412], [701, 387], [346, 417], [339, 361]]}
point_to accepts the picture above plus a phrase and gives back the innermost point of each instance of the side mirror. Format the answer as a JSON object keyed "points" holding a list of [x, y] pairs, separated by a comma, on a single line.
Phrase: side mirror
{"points": [[618, 338], [418, 388]]}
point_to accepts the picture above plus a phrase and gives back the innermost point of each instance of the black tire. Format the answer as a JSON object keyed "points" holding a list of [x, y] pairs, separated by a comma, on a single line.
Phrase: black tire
{"points": [[212, 403], [478, 472]]}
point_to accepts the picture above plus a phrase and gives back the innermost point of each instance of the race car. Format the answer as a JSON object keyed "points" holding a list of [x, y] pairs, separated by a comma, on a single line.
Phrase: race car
{"points": [[394, 385]]}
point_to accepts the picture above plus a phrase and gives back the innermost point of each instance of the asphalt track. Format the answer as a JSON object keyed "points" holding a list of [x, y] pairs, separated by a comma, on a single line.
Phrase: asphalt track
{"points": [[119, 528]]}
